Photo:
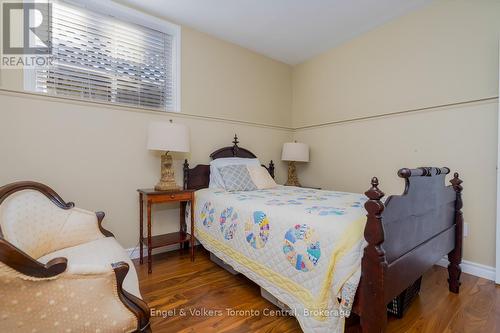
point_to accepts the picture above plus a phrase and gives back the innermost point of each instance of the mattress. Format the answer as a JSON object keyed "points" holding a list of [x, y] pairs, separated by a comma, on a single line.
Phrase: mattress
{"points": [[304, 246]]}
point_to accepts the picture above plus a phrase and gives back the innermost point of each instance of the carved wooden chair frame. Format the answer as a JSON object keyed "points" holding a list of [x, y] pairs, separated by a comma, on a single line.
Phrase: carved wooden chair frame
{"points": [[20, 261]]}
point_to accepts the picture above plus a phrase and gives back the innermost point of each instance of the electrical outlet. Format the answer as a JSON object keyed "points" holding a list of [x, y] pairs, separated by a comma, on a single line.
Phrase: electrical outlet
{"points": [[466, 229]]}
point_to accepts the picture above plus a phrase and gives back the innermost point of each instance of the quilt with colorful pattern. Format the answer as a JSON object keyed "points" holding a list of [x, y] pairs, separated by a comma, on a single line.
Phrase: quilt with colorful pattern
{"points": [[304, 246]]}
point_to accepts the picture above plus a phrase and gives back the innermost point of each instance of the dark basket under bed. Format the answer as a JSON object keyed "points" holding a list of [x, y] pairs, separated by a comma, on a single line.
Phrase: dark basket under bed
{"points": [[401, 302]]}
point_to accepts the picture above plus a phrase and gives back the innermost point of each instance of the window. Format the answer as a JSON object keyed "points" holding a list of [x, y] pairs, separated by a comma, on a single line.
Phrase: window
{"points": [[109, 59]]}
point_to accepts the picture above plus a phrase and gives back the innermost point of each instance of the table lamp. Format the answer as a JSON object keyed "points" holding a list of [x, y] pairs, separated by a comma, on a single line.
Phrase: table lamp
{"points": [[168, 137], [294, 152]]}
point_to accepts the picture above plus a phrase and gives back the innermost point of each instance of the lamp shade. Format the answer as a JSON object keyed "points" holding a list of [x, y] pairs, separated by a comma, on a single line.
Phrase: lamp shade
{"points": [[295, 151], [168, 136]]}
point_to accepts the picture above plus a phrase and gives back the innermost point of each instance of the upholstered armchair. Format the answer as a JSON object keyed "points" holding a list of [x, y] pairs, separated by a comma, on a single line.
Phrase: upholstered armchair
{"points": [[60, 270]]}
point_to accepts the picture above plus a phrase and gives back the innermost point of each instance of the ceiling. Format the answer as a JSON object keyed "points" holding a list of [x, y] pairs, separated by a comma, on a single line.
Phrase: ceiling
{"points": [[287, 30]]}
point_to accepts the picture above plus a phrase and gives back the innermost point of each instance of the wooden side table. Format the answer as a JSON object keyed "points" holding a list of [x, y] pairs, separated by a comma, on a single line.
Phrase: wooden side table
{"points": [[151, 196]]}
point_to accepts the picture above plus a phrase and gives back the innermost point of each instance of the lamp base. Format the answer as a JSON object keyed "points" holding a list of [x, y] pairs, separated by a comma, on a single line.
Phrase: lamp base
{"points": [[167, 180], [161, 186], [292, 180]]}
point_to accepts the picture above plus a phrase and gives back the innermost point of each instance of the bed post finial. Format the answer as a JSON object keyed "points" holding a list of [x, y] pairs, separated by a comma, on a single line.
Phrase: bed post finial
{"points": [[456, 182], [235, 145], [455, 256], [186, 174], [271, 168], [374, 194], [374, 265]]}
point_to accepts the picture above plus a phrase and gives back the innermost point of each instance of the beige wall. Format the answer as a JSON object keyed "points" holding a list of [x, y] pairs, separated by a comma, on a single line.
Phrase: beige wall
{"points": [[346, 156], [96, 155], [222, 80], [445, 53]]}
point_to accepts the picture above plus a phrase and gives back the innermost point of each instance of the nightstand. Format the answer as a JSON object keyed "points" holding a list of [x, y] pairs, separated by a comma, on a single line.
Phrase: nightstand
{"points": [[150, 197]]}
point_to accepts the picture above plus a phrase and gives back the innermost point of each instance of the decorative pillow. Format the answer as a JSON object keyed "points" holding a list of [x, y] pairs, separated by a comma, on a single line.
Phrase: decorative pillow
{"points": [[237, 178], [261, 177], [216, 180]]}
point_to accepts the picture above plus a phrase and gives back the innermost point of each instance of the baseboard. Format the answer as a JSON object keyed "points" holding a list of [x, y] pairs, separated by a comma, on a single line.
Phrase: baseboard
{"points": [[472, 268], [469, 267]]}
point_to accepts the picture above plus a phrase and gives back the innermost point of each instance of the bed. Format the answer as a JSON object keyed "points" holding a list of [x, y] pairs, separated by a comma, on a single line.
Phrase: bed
{"points": [[325, 254]]}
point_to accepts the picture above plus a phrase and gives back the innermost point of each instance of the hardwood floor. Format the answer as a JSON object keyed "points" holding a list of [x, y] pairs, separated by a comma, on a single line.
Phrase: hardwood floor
{"points": [[179, 286]]}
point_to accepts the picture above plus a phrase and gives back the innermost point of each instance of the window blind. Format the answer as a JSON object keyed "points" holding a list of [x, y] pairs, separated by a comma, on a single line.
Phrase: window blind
{"points": [[100, 58]]}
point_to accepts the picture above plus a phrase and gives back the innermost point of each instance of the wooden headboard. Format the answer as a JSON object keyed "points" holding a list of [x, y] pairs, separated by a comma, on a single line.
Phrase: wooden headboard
{"points": [[198, 177]]}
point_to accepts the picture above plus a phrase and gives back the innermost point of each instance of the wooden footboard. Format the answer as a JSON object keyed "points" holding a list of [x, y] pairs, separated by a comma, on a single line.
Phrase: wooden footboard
{"points": [[406, 236]]}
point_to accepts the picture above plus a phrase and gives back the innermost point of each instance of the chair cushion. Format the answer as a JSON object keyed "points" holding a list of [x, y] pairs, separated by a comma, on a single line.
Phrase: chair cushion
{"points": [[30, 221], [99, 252], [34, 224]]}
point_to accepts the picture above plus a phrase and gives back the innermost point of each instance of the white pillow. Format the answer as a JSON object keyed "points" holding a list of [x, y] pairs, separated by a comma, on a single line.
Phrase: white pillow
{"points": [[261, 177], [216, 180]]}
